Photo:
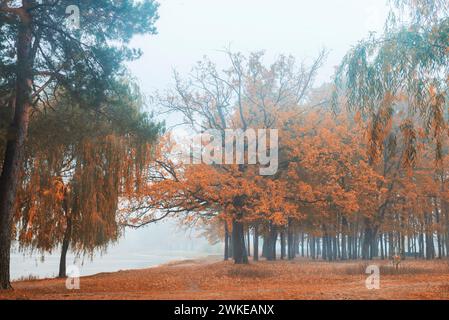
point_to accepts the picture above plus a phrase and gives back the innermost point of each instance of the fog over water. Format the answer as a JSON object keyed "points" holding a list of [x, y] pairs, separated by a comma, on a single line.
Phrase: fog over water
{"points": [[150, 246]]}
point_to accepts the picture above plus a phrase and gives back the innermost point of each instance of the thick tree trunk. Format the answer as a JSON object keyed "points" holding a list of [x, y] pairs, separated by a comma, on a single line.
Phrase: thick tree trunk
{"points": [[265, 246], [9, 179], [238, 243]]}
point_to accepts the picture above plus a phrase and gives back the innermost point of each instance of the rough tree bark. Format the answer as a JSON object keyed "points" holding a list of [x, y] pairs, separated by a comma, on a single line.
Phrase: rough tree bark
{"points": [[238, 242], [9, 179]]}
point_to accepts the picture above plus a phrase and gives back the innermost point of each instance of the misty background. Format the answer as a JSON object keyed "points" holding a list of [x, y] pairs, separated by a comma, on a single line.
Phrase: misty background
{"points": [[187, 31]]}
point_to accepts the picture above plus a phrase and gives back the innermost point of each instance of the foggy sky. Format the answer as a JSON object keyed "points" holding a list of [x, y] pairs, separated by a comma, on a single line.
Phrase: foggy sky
{"points": [[190, 29]]}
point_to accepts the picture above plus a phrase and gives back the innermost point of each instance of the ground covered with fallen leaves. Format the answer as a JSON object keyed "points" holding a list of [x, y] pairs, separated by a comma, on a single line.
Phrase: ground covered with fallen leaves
{"points": [[211, 278]]}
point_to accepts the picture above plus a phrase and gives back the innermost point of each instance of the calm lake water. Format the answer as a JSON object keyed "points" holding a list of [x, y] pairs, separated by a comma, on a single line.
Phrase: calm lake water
{"points": [[138, 249]]}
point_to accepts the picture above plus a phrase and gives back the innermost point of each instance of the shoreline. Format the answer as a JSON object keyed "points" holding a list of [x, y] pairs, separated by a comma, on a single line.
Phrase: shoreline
{"points": [[29, 266], [173, 262]]}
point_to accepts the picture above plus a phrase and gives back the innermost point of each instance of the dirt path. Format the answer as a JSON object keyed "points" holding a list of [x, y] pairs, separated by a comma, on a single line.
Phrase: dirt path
{"points": [[211, 278]]}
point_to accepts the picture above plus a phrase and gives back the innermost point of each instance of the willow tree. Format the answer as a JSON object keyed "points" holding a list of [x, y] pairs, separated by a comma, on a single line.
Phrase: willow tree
{"points": [[404, 70], [42, 50], [77, 169]]}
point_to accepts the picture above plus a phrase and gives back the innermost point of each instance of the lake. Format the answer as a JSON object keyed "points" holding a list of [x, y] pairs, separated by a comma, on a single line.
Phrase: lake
{"points": [[138, 249]]}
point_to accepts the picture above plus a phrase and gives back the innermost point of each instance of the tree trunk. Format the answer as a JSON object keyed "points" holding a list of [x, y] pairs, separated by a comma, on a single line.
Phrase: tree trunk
{"points": [[64, 249], [256, 243], [329, 247], [355, 246], [445, 207], [226, 242], [308, 246], [238, 243], [15, 146], [430, 249], [312, 247], [265, 246], [296, 242], [366, 245], [382, 254], [290, 241], [283, 245], [403, 256], [271, 243], [344, 254], [437, 217], [336, 247], [249, 242], [324, 250], [421, 244], [302, 244]]}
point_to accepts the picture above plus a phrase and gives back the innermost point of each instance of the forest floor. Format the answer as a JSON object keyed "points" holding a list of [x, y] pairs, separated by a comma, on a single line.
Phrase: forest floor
{"points": [[210, 278]]}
